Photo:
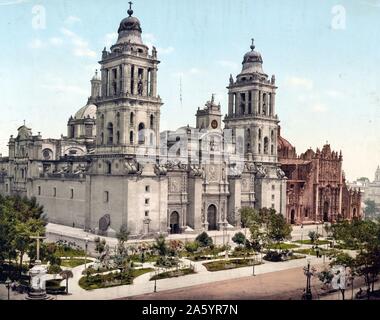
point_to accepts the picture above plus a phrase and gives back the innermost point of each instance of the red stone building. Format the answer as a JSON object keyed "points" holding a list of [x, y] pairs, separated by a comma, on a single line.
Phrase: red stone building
{"points": [[316, 186]]}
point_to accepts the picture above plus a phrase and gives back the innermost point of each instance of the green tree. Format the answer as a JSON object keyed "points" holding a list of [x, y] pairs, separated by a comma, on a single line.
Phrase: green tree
{"points": [[20, 218], [239, 238], [160, 246], [370, 209], [278, 229], [204, 240], [314, 236]]}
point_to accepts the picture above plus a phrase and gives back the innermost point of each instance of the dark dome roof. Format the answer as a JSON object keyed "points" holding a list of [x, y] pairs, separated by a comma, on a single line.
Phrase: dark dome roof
{"points": [[130, 24], [253, 56], [284, 144]]}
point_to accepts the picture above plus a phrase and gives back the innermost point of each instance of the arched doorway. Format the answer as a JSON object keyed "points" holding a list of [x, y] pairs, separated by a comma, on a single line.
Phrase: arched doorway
{"points": [[326, 212], [211, 218], [292, 217], [174, 223]]}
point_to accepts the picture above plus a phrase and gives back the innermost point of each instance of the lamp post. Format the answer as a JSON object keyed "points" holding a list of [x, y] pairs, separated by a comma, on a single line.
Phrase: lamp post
{"points": [[253, 269], [87, 239], [308, 273], [8, 285]]}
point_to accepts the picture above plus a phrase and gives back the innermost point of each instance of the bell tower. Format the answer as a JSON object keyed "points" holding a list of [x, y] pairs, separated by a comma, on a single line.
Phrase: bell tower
{"points": [[128, 114], [252, 107]]}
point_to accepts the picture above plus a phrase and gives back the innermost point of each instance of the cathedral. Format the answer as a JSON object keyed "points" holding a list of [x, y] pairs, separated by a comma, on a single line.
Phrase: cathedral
{"points": [[116, 168]]}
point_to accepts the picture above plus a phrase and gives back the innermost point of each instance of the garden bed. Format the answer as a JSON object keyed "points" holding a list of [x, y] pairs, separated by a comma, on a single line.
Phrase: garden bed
{"points": [[72, 263], [283, 246], [230, 264], [173, 274], [111, 280], [309, 242]]}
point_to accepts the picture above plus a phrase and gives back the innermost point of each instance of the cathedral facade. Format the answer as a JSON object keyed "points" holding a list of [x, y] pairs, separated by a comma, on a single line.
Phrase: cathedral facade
{"points": [[115, 167], [316, 186]]}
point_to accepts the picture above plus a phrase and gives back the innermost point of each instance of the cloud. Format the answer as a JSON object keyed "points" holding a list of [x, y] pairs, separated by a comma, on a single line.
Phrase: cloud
{"points": [[150, 40], [334, 94], [110, 39], [36, 44], [297, 82], [167, 50], [72, 20], [80, 46], [8, 3], [61, 88], [319, 108], [228, 64], [56, 42]]}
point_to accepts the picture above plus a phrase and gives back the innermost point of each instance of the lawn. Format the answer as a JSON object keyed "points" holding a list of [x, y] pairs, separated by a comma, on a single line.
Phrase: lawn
{"points": [[319, 242], [114, 279], [72, 263], [312, 252], [68, 252], [283, 246], [173, 274], [230, 264]]}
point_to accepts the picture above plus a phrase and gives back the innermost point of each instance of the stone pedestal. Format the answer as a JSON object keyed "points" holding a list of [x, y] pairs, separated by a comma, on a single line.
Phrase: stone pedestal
{"points": [[38, 283]]}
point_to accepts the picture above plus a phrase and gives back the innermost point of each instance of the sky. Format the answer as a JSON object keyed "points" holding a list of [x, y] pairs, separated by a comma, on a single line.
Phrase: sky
{"points": [[325, 55]]}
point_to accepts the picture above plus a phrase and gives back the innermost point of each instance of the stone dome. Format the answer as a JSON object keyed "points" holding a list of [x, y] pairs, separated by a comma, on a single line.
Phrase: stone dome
{"points": [[253, 61], [88, 111], [130, 30], [130, 24]]}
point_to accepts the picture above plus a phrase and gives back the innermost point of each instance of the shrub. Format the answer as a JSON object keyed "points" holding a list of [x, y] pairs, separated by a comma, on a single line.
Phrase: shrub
{"points": [[192, 247], [273, 256], [239, 238], [204, 240], [54, 269]]}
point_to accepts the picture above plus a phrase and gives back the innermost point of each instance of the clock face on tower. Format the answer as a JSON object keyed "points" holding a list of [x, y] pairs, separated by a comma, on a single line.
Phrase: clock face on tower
{"points": [[214, 124]]}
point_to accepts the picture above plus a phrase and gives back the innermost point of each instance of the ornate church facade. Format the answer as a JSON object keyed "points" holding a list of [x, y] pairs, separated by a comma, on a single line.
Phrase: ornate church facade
{"points": [[116, 168], [316, 186]]}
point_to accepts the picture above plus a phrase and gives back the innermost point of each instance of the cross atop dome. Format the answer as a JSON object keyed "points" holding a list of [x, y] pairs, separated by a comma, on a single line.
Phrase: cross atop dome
{"points": [[130, 11], [253, 44]]}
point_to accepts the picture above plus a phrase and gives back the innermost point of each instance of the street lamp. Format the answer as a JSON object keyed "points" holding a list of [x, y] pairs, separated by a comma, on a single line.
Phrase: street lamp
{"points": [[253, 269], [8, 285], [87, 239], [308, 273]]}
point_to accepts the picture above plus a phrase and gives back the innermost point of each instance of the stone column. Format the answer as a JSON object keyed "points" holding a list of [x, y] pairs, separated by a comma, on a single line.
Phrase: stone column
{"points": [[246, 103], [104, 82], [255, 106], [230, 104], [153, 87], [135, 80], [145, 82], [237, 103], [273, 104], [126, 78]]}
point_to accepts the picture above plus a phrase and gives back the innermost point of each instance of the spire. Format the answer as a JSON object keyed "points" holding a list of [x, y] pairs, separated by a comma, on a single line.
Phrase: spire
{"points": [[253, 44], [130, 11]]}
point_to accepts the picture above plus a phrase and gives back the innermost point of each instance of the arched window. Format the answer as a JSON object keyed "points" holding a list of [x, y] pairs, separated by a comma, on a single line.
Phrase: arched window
{"points": [[272, 135], [110, 133], [118, 137], [132, 118], [272, 150], [264, 104], [260, 135], [266, 145], [118, 119], [259, 147], [141, 133], [102, 138], [152, 121], [109, 168], [131, 137]]}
